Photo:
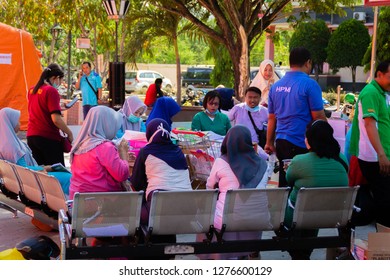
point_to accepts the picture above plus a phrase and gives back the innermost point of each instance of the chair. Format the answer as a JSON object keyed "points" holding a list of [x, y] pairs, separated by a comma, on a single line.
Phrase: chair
{"points": [[182, 212], [31, 193], [54, 197], [324, 207], [253, 210], [11, 183], [103, 214]]}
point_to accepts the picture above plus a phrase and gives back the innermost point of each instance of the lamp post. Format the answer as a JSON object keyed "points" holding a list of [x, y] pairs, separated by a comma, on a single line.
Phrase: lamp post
{"points": [[56, 31], [116, 75]]}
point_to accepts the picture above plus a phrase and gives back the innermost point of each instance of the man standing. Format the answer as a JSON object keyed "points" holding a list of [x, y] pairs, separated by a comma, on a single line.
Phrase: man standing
{"points": [[90, 84], [370, 140], [293, 102]]}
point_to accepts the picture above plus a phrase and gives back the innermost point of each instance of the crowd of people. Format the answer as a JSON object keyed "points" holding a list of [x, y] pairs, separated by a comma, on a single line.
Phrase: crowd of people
{"points": [[284, 117]]}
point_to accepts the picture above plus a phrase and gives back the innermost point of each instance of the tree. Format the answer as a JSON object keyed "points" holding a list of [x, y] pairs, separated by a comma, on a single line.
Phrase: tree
{"points": [[313, 35], [347, 46], [240, 23], [382, 41]]}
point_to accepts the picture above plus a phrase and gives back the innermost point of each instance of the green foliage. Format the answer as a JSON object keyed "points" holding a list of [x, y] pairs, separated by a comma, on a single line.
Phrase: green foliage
{"points": [[313, 35], [348, 44], [383, 40], [223, 69]]}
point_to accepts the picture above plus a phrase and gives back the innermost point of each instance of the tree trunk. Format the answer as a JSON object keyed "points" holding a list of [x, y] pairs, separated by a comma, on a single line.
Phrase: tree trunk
{"points": [[239, 52], [353, 78], [178, 71]]}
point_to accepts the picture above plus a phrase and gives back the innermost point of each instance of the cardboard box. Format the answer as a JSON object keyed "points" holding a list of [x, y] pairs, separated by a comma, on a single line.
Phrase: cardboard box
{"points": [[376, 248]]}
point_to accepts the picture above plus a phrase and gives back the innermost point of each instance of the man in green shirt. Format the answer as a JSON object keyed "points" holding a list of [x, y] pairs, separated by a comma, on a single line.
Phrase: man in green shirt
{"points": [[370, 140]]}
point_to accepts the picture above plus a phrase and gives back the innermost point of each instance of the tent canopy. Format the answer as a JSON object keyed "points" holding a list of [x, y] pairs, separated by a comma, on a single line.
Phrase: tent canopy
{"points": [[20, 69]]}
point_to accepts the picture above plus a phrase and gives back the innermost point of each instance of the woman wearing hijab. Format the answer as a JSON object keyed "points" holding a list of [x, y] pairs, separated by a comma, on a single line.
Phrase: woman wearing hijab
{"points": [[160, 165], [97, 164], [164, 108], [132, 110], [239, 167], [16, 151], [264, 80]]}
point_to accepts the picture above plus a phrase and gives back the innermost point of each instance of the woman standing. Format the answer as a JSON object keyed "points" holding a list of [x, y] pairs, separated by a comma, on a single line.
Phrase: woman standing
{"points": [[45, 120], [264, 80], [211, 119]]}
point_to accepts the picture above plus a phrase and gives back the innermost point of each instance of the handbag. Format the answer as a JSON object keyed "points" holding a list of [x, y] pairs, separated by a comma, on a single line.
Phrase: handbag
{"points": [[66, 145], [261, 134]]}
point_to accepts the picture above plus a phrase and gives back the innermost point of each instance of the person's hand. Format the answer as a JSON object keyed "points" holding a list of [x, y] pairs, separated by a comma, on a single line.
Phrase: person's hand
{"points": [[384, 165], [70, 137], [269, 149], [81, 73], [123, 149]]}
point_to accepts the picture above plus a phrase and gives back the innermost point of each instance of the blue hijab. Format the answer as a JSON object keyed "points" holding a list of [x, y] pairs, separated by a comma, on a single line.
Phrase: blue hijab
{"points": [[160, 145], [164, 108]]}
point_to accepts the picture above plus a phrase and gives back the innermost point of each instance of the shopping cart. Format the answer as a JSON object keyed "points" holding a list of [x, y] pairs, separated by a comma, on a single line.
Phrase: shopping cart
{"points": [[200, 152]]}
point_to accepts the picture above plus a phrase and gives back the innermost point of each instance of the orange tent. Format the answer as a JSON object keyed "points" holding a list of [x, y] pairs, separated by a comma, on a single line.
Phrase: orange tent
{"points": [[20, 69]]}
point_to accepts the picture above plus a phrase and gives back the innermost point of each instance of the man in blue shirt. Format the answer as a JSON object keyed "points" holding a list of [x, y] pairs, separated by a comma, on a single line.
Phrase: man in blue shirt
{"points": [[90, 84], [293, 102]]}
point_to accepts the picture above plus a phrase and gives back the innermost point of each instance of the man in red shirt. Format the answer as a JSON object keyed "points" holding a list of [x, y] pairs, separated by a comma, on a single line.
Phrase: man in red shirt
{"points": [[154, 91]]}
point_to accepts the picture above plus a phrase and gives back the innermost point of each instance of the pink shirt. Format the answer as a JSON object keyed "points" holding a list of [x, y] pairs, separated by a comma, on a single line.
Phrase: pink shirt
{"points": [[99, 170]]}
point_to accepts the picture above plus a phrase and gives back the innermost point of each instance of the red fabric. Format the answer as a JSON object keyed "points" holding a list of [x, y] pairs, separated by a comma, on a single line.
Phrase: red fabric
{"points": [[40, 107], [151, 95], [355, 176]]}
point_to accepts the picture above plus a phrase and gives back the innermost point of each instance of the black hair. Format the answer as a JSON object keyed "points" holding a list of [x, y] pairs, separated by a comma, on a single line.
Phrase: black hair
{"points": [[254, 89], [212, 94], [53, 70], [382, 67], [319, 135], [158, 82], [87, 62], [299, 56]]}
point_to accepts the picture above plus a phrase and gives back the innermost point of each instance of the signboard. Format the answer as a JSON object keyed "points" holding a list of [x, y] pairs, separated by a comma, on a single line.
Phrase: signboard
{"points": [[5, 58], [376, 2], [83, 43]]}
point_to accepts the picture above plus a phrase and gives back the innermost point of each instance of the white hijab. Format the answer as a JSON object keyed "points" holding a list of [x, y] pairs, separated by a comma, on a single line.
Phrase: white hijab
{"points": [[260, 82], [131, 105], [11, 147], [101, 125]]}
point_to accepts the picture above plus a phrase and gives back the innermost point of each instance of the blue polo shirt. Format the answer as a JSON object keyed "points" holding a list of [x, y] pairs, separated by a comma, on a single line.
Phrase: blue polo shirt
{"points": [[292, 99], [88, 95]]}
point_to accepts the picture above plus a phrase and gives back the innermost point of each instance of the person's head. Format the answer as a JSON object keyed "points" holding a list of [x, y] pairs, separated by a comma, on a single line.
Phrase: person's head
{"points": [[238, 140], [267, 69], [212, 102], [382, 75], [300, 58], [164, 108], [158, 131], [52, 75], [134, 106], [11, 117], [252, 96], [320, 140], [158, 82], [86, 67]]}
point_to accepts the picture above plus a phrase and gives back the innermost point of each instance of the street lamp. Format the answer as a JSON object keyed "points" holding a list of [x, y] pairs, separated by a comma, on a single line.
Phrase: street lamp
{"points": [[115, 14], [117, 69], [56, 31]]}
